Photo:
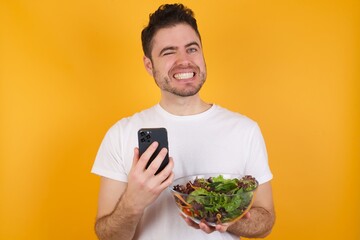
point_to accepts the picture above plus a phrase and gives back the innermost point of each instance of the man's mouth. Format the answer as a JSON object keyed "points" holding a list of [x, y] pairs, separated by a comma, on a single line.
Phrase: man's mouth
{"points": [[181, 76]]}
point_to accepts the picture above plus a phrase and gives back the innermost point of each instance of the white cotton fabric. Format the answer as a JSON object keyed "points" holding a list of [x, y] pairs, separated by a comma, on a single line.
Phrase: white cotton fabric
{"points": [[215, 141]]}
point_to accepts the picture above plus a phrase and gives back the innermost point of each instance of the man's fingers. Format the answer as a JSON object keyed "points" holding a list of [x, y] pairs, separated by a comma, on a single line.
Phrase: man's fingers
{"points": [[155, 164], [247, 215], [136, 156], [206, 228], [203, 226], [190, 222], [165, 174], [221, 228], [144, 158]]}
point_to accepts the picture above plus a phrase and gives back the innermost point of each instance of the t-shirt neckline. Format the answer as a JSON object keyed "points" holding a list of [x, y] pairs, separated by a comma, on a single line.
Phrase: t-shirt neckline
{"points": [[204, 114]]}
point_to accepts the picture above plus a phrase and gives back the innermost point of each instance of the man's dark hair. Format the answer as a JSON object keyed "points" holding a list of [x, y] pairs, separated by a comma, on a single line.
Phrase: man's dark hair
{"points": [[166, 15]]}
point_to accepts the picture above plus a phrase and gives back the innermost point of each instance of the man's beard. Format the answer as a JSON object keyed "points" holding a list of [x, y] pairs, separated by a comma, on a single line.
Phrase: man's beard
{"points": [[187, 91]]}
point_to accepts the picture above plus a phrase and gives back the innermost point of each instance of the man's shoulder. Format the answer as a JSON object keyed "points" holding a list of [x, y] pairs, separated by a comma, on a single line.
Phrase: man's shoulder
{"points": [[136, 118], [231, 115]]}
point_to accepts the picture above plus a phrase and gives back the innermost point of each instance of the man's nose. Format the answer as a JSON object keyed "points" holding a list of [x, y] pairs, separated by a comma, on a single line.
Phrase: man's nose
{"points": [[183, 58]]}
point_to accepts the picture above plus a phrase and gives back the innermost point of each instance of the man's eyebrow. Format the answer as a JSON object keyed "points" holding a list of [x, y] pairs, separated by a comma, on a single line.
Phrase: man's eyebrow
{"points": [[192, 43], [166, 49]]}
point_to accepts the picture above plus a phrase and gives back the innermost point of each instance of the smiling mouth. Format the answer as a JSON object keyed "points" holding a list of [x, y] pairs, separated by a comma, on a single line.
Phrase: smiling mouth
{"points": [[181, 76]]}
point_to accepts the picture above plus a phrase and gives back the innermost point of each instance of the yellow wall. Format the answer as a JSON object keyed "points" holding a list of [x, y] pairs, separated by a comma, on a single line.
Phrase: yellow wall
{"points": [[70, 69]]}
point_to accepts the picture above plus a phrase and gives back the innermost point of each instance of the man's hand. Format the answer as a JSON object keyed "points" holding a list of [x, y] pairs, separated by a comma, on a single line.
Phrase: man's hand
{"points": [[121, 205], [143, 185], [256, 223]]}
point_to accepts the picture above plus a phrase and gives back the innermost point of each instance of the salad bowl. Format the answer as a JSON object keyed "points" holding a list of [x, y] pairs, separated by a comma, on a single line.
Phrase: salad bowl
{"points": [[214, 198]]}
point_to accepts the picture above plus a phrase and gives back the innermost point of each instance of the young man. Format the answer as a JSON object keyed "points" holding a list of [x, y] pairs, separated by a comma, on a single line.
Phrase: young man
{"points": [[134, 203]]}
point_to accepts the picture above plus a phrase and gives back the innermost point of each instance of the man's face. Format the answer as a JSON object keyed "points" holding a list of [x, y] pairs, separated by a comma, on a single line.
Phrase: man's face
{"points": [[177, 64]]}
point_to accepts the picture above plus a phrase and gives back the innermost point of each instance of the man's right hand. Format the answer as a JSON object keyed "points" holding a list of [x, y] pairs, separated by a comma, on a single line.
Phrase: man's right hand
{"points": [[121, 204], [144, 186]]}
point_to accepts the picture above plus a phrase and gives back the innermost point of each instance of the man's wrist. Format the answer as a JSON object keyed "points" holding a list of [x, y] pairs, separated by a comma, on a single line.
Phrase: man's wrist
{"points": [[129, 204]]}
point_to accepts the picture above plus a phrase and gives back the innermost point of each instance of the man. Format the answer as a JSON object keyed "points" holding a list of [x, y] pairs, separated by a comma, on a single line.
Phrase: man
{"points": [[134, 203]]}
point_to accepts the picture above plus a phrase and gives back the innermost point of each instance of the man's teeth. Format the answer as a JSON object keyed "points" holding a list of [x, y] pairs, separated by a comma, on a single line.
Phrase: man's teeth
{"points": [[184, 75]]}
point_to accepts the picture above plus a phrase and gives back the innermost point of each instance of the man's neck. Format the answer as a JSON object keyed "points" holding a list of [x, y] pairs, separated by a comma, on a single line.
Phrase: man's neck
{"points": [[184, 106]]}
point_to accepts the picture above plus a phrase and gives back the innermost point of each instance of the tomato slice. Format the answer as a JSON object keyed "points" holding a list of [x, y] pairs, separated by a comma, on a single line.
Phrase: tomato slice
{"points": [[187, 211]]}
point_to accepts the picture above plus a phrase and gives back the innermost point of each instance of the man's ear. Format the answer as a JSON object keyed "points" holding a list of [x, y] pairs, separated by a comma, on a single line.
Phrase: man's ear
{"points": [[148, 65]]}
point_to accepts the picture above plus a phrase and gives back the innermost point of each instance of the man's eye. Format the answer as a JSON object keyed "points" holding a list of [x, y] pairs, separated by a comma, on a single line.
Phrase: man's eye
{"points": [[167, 53], [191, 50]]}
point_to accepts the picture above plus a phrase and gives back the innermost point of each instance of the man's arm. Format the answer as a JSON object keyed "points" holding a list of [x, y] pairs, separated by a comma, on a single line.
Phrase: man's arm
{"points": [[262, 215], [120, 208], [115, 219]]}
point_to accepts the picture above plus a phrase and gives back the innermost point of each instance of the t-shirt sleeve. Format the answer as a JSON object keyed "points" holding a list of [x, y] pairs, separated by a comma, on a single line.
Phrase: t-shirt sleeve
{"points": [[257, 164], [108, 162]]}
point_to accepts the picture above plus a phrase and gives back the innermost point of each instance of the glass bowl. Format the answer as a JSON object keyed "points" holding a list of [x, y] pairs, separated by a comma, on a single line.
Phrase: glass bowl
{"points": [[214, 198]]}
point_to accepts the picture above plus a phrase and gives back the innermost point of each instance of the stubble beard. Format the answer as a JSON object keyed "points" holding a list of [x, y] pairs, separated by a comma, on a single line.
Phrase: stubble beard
{"points": [[189, 90]]}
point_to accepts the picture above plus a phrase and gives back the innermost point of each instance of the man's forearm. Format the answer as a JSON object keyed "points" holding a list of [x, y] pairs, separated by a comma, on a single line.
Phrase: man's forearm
{"points": [[258, 225], [120, 224]]}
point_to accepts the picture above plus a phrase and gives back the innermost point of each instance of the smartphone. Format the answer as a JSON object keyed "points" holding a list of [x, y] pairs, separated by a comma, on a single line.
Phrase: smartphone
{"points": [[146, 136]]}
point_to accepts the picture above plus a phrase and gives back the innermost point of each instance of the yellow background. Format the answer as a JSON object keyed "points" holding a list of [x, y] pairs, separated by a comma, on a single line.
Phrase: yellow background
{"points": [[70, 69]]}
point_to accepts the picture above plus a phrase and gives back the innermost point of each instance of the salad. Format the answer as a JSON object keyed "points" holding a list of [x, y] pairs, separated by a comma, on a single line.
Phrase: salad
{"points": [[215, 200]]}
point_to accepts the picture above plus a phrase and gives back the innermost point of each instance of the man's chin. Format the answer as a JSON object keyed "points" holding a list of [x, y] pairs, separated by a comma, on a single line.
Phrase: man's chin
{"points": [[185, 92]]}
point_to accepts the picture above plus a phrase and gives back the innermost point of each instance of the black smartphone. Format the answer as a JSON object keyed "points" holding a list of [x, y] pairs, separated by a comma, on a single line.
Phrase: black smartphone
{"points": [[146, 136]]}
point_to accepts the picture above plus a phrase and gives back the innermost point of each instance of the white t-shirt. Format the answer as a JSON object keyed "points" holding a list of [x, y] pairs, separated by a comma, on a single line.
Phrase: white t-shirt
{"points": [[215, 141]]}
